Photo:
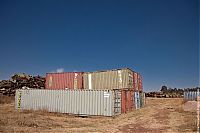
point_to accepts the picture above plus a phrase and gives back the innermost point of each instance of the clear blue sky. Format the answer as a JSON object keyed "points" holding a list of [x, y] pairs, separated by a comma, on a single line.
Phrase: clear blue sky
{"points": [[158, 38]]}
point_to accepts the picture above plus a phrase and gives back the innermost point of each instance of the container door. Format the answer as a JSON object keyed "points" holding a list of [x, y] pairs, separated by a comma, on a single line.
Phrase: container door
{"points": [[140, 95], [137, 100], [135, 81], [129, 100], [117, 102], [123, 101], [144, 99], [133, 99]]}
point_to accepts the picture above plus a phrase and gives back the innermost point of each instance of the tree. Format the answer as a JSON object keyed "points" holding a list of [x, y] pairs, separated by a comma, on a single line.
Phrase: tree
{"points": [[170, 90], [163, 89]]}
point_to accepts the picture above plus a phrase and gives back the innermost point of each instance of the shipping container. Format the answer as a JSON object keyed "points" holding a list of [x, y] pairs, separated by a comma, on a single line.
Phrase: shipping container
{"points": [[191, 95], [65, 80], [128, 102], [110, 79], [137, 100], [137, 82], [123, 101], [79, 102], [140, 86], [142, 99]]}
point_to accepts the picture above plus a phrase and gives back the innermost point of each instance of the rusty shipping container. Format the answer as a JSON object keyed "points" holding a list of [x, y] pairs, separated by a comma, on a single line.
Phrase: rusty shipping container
{"points": [[65, 80], [110, 79], [79, 102], [137, 82], [128, 102], [140, 87]]}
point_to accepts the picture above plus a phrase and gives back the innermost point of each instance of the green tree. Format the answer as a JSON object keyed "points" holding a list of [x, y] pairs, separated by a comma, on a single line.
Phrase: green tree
{"points": [[163, 89]]}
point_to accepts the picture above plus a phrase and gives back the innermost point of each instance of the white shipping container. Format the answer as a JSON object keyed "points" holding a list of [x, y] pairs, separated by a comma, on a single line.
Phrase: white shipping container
{"points": [[79, 102], [190, 95], [137, 100]]}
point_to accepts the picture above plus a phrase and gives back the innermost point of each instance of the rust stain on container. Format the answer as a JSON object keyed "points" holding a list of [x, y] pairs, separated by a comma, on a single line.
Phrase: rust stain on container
{"points": [[65, 80]]}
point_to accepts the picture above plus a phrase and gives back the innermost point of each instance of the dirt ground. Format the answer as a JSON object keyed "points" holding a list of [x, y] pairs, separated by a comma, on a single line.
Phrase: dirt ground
{"points": [[158, 115]]}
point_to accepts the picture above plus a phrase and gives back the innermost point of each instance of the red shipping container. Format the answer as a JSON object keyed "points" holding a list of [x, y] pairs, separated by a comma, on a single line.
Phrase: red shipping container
{"points": [[130, 100], [135, 81], [123, 101], [127, 97], [65, 80], [140, 87]]}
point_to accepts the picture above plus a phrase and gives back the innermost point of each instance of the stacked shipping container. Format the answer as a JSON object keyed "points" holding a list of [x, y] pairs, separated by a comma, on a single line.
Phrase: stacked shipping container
{"points": [[111, 79], [124, 84], [140, 86], [127, 100], [80, 102], [137, 78], [65, 80]]}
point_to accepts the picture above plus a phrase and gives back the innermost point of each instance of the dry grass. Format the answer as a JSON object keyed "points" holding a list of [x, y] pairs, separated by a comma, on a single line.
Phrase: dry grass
{"points": [[6, 99], [159, 115]]}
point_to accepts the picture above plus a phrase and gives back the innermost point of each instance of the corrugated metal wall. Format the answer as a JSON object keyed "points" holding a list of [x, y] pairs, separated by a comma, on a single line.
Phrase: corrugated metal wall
{"points": [[80, 102], [70, 80], [140, 86], [137, 100], [137, 82], [142, 98], [190, 95], [128, 102], [112, 79]]}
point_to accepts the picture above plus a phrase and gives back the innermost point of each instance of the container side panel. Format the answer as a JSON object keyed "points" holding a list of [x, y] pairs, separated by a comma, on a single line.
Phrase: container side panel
{"points": [[70, 80], [112, 79], [123, 101], [80, 102]]}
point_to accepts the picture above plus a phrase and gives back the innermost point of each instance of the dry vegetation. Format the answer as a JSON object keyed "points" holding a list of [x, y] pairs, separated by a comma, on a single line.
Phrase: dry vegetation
{"points": [[159, 115], [6, 99]]}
